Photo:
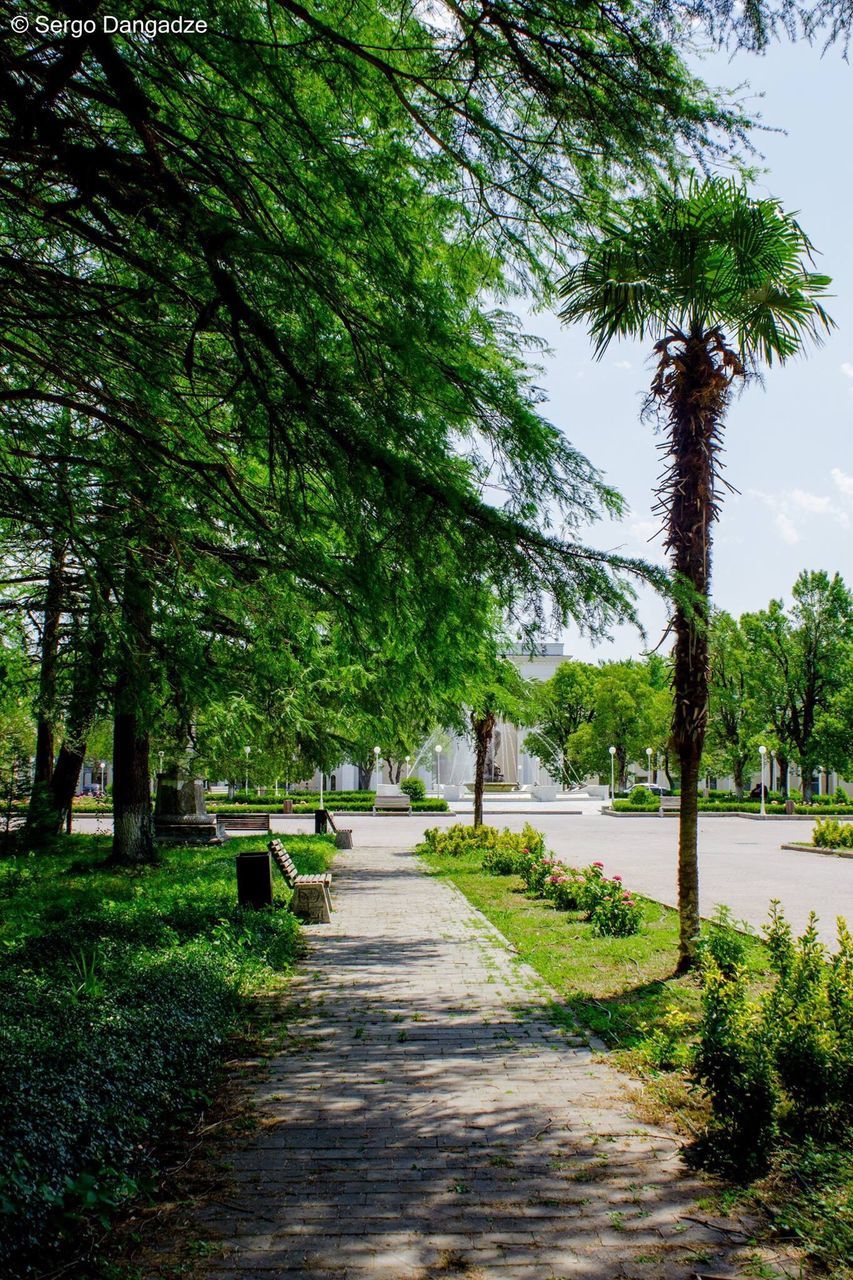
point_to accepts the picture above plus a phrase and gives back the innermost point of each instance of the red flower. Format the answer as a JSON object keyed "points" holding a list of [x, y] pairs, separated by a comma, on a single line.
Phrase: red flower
{"points": [[618, 879], [599, 865]]}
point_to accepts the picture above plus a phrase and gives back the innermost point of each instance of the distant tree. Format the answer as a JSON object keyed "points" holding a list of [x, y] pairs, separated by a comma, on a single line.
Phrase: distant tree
{"points": [[734, 720], [802, 660], [560, 707], [629, 713]]}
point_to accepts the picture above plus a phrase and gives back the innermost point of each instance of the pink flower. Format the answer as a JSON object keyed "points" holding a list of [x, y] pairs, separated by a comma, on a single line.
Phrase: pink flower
{"points": [[627, 899], [599, 865], [618, 879]]}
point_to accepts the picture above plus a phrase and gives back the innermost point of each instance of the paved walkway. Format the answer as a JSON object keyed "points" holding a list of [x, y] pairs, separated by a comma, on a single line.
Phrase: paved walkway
{"points": [[428, 1123]]}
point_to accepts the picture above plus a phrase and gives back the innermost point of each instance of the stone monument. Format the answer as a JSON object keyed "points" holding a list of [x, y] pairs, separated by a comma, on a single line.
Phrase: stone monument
{"points": [[180, 813]]}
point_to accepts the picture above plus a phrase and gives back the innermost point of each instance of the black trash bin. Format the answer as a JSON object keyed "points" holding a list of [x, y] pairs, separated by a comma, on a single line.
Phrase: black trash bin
{"points": [[254, 879], [320, 824]]}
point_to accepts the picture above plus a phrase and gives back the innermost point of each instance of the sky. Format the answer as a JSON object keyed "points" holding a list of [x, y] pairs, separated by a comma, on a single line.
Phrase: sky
{"points": [[789, 443]]}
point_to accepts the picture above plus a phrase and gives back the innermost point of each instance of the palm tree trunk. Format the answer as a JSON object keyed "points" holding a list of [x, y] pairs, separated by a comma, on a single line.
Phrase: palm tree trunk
{"points": [[694, 385], [484, 727]]}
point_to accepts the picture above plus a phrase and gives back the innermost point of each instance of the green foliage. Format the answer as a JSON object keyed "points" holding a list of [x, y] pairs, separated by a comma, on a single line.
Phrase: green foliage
{"points": [[616, 913], [503, 852], [808, 1021], [723, 944], [734, 1064], [830, 834], [414, 787], [117, 995], [641, 797], [782, 1065]]}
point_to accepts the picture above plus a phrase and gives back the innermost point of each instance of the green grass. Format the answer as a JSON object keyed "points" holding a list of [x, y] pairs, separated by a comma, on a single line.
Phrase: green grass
{"points": [[121, 993]]}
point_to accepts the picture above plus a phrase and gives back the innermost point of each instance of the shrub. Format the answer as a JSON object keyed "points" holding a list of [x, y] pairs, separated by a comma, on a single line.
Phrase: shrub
{"points": [[829, 833], [724, 943], [734, 1063], [563, 887], [667, 1047], [592, 887], [809, 1024], [414, 787], [642, 795], [616, 913], [497, 848]]}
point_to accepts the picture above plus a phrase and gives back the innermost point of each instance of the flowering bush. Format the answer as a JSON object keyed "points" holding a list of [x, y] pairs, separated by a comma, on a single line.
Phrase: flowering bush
{"points": [[537, 866], [563, 887], [616, 914]]}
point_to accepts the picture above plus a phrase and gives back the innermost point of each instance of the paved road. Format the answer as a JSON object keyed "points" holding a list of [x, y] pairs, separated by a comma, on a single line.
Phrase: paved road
{"points": [[426, 1122], [741, 862]]}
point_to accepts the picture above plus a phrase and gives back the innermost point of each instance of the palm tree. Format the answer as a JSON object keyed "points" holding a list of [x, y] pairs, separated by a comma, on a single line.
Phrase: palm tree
{"points": [[719, 280]]}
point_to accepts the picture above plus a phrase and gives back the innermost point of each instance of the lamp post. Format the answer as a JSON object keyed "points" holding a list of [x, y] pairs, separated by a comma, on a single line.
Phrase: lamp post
{"points": [[649, 764], [376, 766], [438, 768], [247, 751], [103, 767], [762, 751], [612, 775], [408, 766]]}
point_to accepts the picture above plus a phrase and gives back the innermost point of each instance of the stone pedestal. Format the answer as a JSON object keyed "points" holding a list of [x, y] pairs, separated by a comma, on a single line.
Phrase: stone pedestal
{"points": [[180, 813]]}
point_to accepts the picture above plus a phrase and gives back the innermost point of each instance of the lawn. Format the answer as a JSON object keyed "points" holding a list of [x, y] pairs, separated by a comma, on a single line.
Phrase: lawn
{"points": [[121, 994], [624, 990]]}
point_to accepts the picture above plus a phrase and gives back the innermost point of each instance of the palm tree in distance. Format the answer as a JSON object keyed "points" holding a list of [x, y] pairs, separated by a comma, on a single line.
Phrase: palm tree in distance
{"points": [[719, 280]]}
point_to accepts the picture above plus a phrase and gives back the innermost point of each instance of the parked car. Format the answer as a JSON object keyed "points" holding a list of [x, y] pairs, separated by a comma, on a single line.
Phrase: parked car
{"points": [[656, 789]]}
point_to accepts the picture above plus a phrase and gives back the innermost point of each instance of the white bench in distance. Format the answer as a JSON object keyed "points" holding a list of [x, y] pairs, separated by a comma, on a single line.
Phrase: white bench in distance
{"points": [[312, 898], [390, 799], [669, 804]]}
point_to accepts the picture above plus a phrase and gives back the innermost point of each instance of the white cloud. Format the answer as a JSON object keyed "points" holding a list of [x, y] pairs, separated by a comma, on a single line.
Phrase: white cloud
{"points": [[645, 529], [626, 364], [787, 529], [847, 369], [842, 482], [813, 502]]}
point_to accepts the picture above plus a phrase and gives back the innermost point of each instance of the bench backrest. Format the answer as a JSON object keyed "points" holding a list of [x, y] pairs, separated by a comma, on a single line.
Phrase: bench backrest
{"points": [[393, 802], [670, 802], [283, 861]]}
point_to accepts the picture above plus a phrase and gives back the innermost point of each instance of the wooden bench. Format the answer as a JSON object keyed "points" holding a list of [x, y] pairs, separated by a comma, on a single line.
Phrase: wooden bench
{"points": [[251, 822], [400, 803], [312, 898], [343, 835], [669, 804]]}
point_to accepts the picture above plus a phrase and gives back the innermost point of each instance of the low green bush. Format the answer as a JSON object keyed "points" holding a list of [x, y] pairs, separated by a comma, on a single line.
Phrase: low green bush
{"points": [[734, 1064], [642, 796], [616, 914], [502, 851], [828, 833], [781, 1065], [118, 993], [414, 787]]}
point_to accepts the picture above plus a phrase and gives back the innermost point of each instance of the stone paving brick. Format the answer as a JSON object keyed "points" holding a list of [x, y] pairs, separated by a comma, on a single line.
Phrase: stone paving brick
{"points": [[434, 1125]]}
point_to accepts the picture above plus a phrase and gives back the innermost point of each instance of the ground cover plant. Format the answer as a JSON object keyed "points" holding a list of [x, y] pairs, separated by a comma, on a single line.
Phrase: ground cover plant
{"points": [[701, 1042], [118, 995]]}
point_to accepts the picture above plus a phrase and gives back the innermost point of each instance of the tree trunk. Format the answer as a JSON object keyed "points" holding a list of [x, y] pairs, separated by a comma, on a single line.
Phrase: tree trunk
{"points": [[484, 727], [693, 383], [782, 762], [738, 776], [133, 833], [40, 824], [82, 712]]}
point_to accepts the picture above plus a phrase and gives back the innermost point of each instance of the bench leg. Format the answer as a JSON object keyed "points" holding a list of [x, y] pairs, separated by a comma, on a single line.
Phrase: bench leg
{"points": [[311, 903]]}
